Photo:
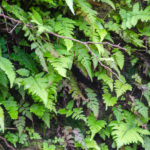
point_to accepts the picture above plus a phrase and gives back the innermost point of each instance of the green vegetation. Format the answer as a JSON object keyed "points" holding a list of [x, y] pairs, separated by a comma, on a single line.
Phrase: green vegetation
{"points": [[74, 74]]}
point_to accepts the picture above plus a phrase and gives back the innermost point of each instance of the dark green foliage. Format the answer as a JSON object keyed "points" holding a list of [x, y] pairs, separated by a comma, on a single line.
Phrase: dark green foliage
{"points": [[63, 85]]}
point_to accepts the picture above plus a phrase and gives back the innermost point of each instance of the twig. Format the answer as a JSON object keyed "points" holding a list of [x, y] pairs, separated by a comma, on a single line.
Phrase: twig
{"points": [[14, 28], [9, 146], [78, 41]]}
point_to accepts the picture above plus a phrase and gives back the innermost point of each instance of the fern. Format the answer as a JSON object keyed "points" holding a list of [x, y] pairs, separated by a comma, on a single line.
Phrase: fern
{"points": [[92, 101], [109, 100], [37, 85], [142, 109], [1, 119], [8, 68], [85, 59], [101, 75], [95, 125], [76, 113], [121, 88], [61, 64], [125, 133], [76, 92], [24, 59], [70, 5], [119, 58], [37, 109], [86, 10], [109, 2], [131, 18], [12, 107], [65, 26], [91, 144], [20, 124]]}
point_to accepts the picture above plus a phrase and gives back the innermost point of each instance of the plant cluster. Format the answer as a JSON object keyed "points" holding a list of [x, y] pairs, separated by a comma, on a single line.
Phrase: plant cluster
{"points": [[74, 74]]}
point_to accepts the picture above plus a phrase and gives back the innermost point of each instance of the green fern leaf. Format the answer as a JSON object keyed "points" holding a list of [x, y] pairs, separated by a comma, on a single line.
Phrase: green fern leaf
{"points": [[142, 109], [119, 58], [70, 5], [24, 59], [37, 109], [109, 100], [87, 11], [76, 92], [37, 85], [20, 124], [84, 57], [109, 2], [101, 75], [121, 88], [65, 26], [61, 64], [95, 125], [8, 68], [92, 101], [42, 59], [91, 144], [1, 119], [12, 107], [125, 133], [23, 72]]}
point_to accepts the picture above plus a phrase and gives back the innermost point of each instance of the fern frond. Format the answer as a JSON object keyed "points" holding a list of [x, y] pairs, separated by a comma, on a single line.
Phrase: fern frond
{"points": [[121, 88], [131, 18], [20, 124], [42, 59], [37, 85], [65, 26], [125, 133], [101, 75], [78, 114], [119, 58], [8, 68], [1, 119], [95, 125], [109, 2], [84, 57], [24, 59], [76, 92], [61, 64], [12, 107], [86, 10], [38, 110], [142, 109], [109, 100], [92, 101]]}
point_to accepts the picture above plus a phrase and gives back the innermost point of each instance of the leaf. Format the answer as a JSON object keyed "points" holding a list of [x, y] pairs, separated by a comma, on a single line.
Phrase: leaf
{"points": [[91, 144], [8, 68], [1, 119], [70, 5], [119, 58], [109, 100], [142, 109], [37, 85], [95, 125], [12, 107], [37, 109], [121, 88], [23, 72], [109, 2], [125, 133], [36, 18], [92, 102]]}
